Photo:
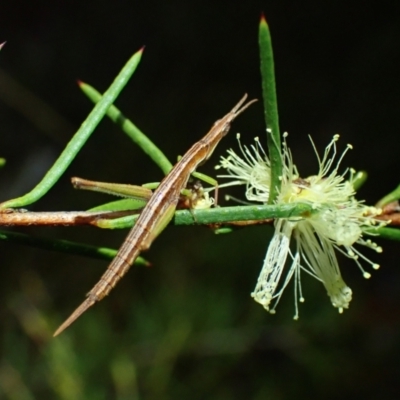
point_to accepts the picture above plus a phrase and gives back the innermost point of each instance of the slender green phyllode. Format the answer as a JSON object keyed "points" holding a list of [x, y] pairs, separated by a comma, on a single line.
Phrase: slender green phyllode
{"points": [[64, 246], [270, 108], [80, 137], [389, 198], [386, 233], [130, 129]]}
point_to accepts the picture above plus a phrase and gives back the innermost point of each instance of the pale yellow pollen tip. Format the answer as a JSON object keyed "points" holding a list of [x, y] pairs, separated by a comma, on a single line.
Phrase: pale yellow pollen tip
{"points": [[349, 146], [285, 134], [238, 136], [376, 266], [366, 275], [336, 137]]}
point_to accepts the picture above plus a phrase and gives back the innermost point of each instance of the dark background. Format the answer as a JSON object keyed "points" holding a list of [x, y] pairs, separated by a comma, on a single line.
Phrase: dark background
{"points": [[187, 328]]}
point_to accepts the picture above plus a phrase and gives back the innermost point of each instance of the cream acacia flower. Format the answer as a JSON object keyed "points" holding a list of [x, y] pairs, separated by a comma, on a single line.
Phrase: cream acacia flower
{"points": [[338, 222]]}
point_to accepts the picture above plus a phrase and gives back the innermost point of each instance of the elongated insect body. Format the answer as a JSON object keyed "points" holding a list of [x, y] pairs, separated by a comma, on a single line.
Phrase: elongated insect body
{"points": [[158, 212]]}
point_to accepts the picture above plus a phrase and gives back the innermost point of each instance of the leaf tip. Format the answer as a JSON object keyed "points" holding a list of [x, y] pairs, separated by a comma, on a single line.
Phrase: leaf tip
{"points": [[263, 20], [2, 45]]}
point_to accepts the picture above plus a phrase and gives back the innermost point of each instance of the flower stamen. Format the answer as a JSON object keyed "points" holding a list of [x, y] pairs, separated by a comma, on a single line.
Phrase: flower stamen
{"points": [[338, 222]]}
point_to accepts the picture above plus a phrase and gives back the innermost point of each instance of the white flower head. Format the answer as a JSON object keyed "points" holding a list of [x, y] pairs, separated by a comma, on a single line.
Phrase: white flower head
{"points": [[338, 222]]}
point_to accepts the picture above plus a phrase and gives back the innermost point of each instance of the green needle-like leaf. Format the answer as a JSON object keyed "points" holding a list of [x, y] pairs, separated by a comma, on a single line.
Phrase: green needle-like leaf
{"points": [[120, 205], [80, 137], [270, 108], [386, 233], [389, 198], [64, 246], [131, 130]]}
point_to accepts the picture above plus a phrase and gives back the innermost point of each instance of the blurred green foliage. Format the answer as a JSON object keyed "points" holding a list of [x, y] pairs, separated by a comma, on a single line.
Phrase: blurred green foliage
{"points": [[177, 332]]}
